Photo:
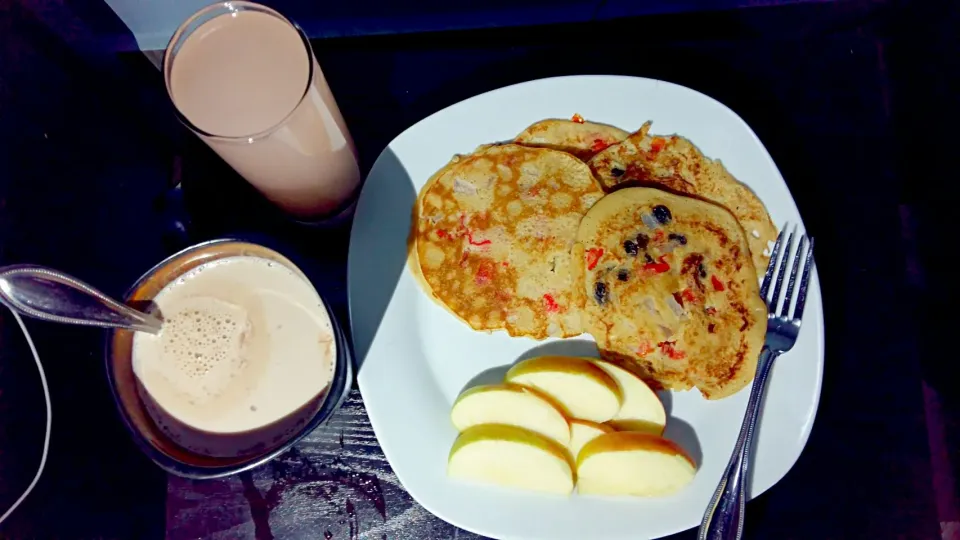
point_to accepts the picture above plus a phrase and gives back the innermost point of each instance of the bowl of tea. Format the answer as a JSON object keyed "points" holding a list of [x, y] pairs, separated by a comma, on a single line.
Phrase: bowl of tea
{"points": [[249, 360]]}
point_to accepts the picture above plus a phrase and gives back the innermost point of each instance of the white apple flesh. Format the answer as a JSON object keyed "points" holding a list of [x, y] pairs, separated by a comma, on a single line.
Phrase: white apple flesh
{"points": [[512, 457], [581, 389], [511, 405], [642, 410], [629, 463], [582, 432]]}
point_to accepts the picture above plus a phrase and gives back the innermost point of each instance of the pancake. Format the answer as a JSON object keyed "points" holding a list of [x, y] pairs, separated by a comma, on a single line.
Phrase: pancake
{"points": [[582, 139], [675, 164], [669, 290], [493, 236]]}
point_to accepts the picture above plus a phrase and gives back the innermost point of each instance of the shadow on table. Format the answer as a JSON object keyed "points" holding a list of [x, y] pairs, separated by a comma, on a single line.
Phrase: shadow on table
{"points": [[378, 248]]}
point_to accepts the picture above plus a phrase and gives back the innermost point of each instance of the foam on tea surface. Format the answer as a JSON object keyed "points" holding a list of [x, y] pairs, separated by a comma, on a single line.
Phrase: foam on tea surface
{"points": [[244, 357], [203, 344]]}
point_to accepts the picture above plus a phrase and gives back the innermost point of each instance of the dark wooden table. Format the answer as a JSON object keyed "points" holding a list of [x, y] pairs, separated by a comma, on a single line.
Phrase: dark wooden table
{"points": [[825, 86], [336, 483]]}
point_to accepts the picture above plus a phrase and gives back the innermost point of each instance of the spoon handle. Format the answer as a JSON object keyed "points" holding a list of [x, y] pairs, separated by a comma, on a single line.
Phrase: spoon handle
{"points": [[53, 296]]}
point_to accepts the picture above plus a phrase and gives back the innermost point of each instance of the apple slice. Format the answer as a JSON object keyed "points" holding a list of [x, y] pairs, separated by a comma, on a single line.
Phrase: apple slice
{"points": [[581, 389], [642, 410], [512, 457], [582, 432], [512, 405], [631, 463]]}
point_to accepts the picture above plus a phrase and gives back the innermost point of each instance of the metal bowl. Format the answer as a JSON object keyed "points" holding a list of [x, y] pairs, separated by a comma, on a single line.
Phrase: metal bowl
{"points": [[126, 388]]}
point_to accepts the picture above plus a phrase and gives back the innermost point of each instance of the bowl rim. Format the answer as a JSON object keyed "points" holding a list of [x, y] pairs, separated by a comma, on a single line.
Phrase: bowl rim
{"points": [[336, 393]]}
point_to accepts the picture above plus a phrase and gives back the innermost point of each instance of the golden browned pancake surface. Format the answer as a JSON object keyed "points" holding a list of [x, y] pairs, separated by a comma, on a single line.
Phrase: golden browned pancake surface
{"points": [[493, 236], [675, 164], [582, 139], [670, 291]]}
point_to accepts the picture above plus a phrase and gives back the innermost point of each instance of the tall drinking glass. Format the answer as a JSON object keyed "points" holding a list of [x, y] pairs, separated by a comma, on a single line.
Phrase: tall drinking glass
{"points": [[245, 80]]}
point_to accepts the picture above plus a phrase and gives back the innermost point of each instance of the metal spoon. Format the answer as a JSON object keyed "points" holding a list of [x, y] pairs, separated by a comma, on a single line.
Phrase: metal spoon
{"points": [[53, 296]]}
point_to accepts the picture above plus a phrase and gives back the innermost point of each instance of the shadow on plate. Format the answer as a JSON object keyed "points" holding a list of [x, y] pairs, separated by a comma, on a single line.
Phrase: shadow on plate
{"points": [[683, 434], [378, 248], [564, 347], [486, 377]]}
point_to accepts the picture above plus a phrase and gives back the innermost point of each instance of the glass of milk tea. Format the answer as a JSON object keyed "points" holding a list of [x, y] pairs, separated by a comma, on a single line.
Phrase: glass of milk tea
{"points": [[245, 80]]}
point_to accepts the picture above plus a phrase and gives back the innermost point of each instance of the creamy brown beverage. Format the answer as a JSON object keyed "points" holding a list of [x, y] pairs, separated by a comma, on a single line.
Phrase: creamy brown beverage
{"points": [[244, 357], [248, 85]]}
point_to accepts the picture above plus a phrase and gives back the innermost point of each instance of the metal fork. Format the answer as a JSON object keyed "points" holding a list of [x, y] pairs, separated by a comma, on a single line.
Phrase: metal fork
{"points": [[723, 519]]}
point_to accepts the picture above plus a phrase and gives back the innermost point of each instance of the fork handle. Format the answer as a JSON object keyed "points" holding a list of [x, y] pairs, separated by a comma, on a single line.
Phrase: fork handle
{"points": [[723, 519]]}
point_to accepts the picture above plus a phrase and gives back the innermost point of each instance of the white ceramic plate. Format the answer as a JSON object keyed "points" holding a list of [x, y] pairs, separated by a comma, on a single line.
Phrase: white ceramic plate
{"points": [[415, 358]]}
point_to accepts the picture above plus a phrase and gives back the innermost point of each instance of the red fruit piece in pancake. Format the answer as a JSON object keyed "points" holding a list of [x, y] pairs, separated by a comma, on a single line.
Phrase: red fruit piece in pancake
{"points": [[593, 257]]}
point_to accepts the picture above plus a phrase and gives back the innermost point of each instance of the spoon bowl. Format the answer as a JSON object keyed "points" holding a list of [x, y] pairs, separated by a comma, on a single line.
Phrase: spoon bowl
{"points": [[51, 295]]}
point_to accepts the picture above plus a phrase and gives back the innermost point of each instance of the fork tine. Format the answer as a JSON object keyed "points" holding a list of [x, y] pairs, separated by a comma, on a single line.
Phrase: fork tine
{"points": [[782, 272], [804, 282], [772, 265], [788, 296], [775, 299]]}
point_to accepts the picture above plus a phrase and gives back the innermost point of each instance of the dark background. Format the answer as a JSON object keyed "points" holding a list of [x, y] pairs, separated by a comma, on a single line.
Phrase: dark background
{"points": [[855, 100]]}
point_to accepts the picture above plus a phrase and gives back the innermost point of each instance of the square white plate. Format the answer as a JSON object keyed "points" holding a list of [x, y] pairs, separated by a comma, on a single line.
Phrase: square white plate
{"points": [[415, 358]]}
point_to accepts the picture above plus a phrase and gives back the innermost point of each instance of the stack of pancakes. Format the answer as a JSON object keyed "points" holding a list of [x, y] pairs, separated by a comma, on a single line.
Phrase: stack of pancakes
{"points": [[575, 227]]}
